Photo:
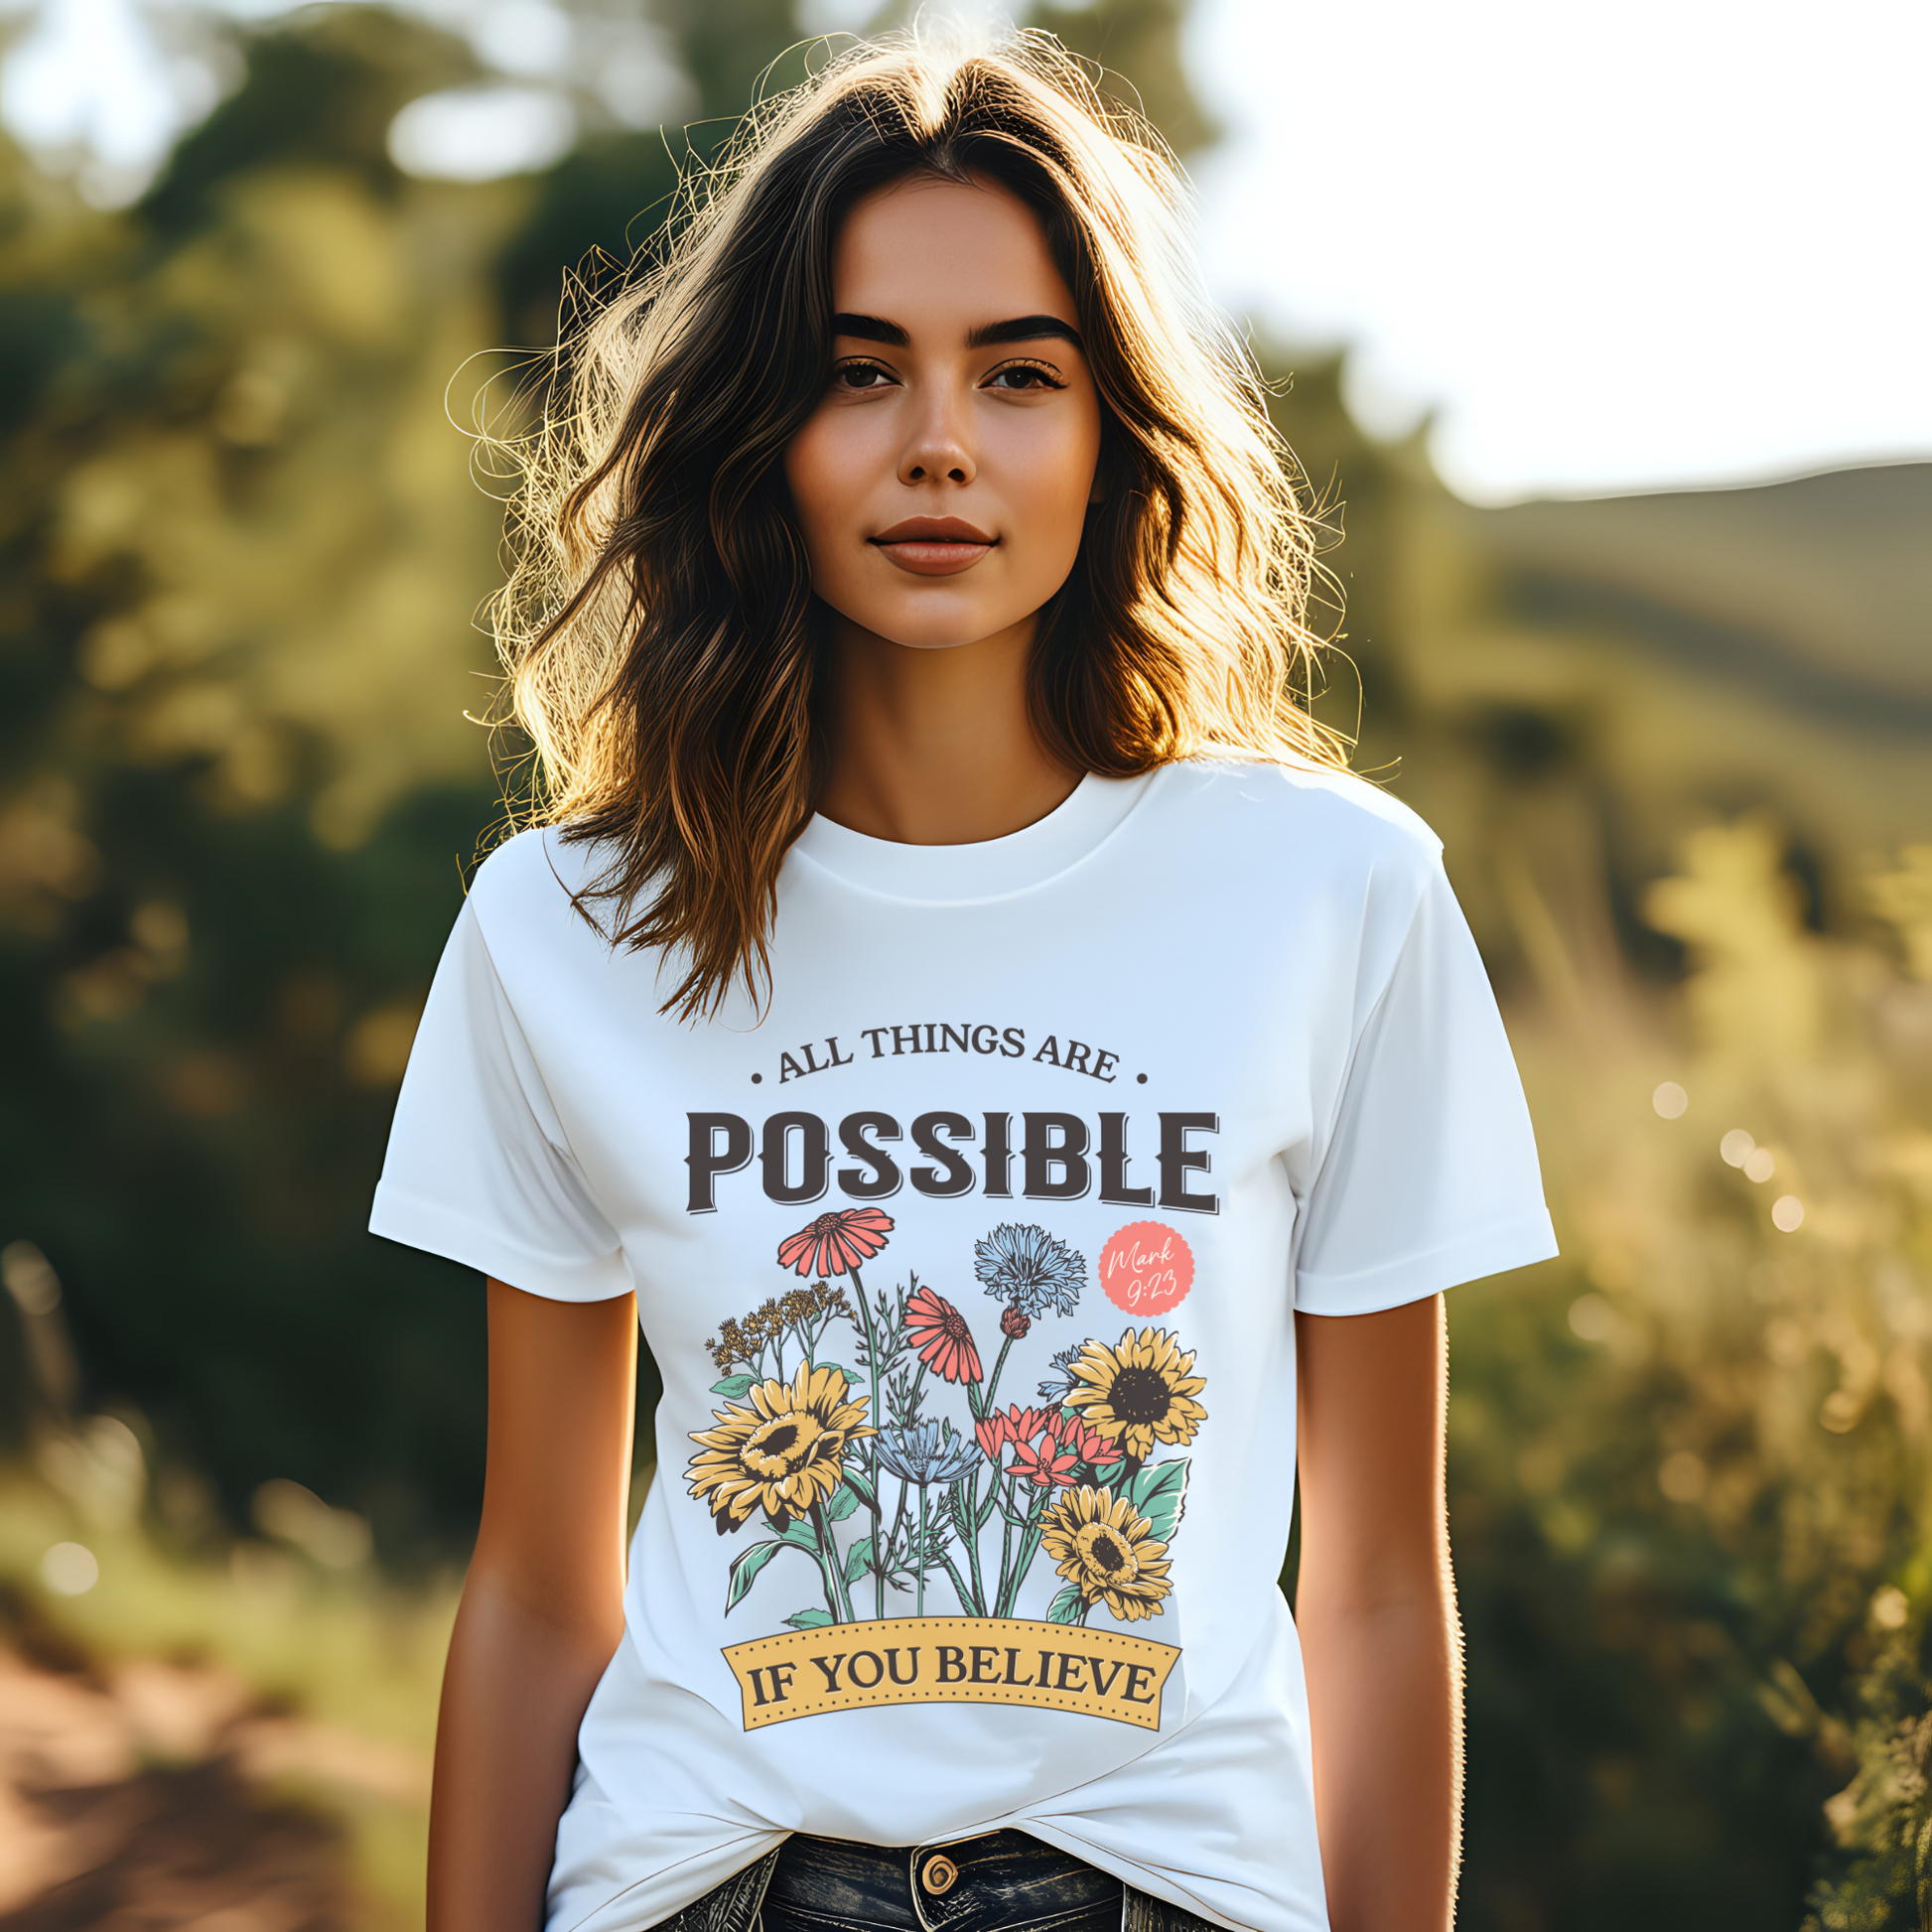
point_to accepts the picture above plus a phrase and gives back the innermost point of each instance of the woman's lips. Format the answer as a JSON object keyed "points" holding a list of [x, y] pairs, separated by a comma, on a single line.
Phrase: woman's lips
{"points": [[936, 546]]}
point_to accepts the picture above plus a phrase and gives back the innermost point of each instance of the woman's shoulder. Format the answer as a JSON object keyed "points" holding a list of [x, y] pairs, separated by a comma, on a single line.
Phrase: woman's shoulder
{"points": [[533, 877], [1303, 815]]}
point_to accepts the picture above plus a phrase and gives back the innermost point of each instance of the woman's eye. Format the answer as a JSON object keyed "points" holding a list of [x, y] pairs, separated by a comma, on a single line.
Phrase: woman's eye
{"points": [[861, 375], [1022, 376]]}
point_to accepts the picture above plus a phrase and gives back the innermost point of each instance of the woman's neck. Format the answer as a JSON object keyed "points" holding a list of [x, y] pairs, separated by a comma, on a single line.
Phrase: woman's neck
{"points": [[936, 746]]}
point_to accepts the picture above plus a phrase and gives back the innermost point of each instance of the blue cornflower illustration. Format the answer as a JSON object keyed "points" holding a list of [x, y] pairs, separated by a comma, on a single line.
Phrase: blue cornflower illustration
{"points": [[923, 1454], [1057, 1388], [1027, 1268]]}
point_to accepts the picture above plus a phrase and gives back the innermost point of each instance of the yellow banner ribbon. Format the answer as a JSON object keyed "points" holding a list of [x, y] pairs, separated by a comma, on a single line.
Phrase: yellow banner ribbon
{"points": [[951, 1660]]}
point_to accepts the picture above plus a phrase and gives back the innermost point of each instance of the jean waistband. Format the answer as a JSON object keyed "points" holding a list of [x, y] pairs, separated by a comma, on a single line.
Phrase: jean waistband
{"points": [[1000, 1882], [737, 1904]]}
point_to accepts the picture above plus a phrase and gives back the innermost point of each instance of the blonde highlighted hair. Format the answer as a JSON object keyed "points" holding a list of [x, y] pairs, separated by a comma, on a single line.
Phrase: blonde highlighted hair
{"points": [[657, 628]]}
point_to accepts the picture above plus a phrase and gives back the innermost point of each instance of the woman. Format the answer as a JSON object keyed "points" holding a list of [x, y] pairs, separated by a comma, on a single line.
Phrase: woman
{"points": [[957, 998]]}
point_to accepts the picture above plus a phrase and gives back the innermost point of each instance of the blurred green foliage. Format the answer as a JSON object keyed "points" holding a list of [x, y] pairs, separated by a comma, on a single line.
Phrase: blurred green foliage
{"points": [[1677, 747]]}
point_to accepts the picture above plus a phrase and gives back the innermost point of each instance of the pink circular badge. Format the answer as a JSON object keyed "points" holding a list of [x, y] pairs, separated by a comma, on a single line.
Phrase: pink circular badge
{"points": [[1146, 1268]]}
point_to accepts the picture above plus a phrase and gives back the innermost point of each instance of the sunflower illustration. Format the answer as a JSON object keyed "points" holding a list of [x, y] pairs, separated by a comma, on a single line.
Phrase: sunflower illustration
{"points": [[1106, 1549], [783, 1454], [1138, 1392]]}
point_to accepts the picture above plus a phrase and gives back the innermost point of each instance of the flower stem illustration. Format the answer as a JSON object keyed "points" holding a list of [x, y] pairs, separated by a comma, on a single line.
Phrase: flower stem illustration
{"points": [[835, 1244], [838, 1599], [923, 1454]]}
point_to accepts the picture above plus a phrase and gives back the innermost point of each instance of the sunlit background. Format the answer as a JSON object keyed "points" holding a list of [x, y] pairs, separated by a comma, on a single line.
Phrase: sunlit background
{"points": [[1602, 336]]}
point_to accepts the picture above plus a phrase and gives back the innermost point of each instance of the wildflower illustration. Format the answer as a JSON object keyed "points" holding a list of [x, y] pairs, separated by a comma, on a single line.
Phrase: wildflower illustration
{"points": [[925, 1454], [847, 1466], [941, 1337], [800, 1311], [1057, 1452], [1028, 1269], [836, 1243], [1060, 1385]]}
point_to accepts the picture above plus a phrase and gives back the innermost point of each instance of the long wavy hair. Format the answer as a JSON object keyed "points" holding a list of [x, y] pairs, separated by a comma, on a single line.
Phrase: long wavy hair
{"points": [[657, 628]]}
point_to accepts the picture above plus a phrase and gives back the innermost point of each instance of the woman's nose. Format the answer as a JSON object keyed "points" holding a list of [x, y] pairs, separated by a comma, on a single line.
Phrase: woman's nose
{"points": [[940, 449]]}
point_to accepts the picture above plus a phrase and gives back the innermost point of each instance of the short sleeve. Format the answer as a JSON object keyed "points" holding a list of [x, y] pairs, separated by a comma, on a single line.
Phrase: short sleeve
{"points": [[1430, 1174], [479, 1168]]}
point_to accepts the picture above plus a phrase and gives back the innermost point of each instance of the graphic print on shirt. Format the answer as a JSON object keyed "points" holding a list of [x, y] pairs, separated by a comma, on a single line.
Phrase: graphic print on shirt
{"points": [[954, 1513]]}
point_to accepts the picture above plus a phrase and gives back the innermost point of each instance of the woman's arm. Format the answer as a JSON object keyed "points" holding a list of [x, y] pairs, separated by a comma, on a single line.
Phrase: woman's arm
{"points": [[542, 1606], [1376, 1606]]}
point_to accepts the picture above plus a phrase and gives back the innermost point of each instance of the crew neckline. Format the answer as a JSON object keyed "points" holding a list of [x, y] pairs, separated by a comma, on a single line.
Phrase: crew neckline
{"points": [[987, 869]]}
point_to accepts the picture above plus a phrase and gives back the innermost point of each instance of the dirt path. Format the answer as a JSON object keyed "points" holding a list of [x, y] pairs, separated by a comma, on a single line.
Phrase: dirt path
{"points": [[151, 1801]]}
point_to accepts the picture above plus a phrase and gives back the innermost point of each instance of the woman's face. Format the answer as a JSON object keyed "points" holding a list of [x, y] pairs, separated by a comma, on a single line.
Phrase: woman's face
{"points": [[943, 481]]}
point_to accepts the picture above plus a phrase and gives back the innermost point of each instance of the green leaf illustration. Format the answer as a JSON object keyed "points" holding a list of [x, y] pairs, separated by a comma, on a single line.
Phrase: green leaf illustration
{"points": [[800, 1535], [735, 1388], [744, 1572], [861, 1488], [851, 1375], [961, 1513], [841, 1503], [858, 1560], [1159, 1494], [810, 1620], [1065, 1608]]}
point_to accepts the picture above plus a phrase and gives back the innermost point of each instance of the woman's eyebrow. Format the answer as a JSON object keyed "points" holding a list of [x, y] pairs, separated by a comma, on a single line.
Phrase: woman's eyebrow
{"points": [[871, 328], [1020, 328], [1024, 328]]}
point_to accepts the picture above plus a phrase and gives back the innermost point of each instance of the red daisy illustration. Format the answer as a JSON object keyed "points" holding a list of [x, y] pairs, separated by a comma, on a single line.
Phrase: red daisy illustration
{"points": [[939, 1332], [836, 1243]]}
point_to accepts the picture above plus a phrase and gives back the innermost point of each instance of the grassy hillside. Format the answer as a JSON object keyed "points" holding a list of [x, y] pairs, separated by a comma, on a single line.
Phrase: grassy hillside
{"points": [[1699, 653], [1713, 650]]}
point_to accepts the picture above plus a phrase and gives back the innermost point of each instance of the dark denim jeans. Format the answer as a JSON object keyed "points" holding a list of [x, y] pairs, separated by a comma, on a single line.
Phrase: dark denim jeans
{"points": [[1003, 1881]]}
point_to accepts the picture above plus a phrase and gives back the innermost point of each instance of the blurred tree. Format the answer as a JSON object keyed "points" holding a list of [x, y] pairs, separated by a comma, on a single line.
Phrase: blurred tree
{"points": [[245, 554], [599, 206], [1138, 46]]}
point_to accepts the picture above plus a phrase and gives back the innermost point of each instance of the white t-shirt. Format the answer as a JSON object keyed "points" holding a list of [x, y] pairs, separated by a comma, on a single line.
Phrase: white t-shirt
{"points": [[1082, 1116]]}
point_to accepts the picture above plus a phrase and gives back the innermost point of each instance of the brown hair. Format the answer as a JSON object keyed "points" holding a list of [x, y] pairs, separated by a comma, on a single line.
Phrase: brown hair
{"points": [[657, 627]]}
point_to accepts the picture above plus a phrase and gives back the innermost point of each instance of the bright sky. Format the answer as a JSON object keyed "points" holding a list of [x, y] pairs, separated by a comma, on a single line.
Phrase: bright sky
{"points": [[1666, 241], [1669, 242]]}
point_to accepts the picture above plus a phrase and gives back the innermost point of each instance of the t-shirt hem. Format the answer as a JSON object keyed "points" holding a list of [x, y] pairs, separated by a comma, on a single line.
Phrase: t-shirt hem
{"points": [[1490, 1251], [415, 1223], [604, 1916]]}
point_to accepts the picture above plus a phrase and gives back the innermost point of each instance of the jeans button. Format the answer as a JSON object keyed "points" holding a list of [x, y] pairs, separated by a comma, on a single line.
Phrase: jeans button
{"points": [[938, 1873]]}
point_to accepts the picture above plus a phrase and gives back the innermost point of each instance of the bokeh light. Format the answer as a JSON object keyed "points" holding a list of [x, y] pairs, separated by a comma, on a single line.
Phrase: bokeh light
{"points": [[70, 1569]]}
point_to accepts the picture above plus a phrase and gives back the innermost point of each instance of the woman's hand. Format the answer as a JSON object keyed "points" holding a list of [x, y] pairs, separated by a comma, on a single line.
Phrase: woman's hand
{"points": [[542, 1606], [1376, 1606]]}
